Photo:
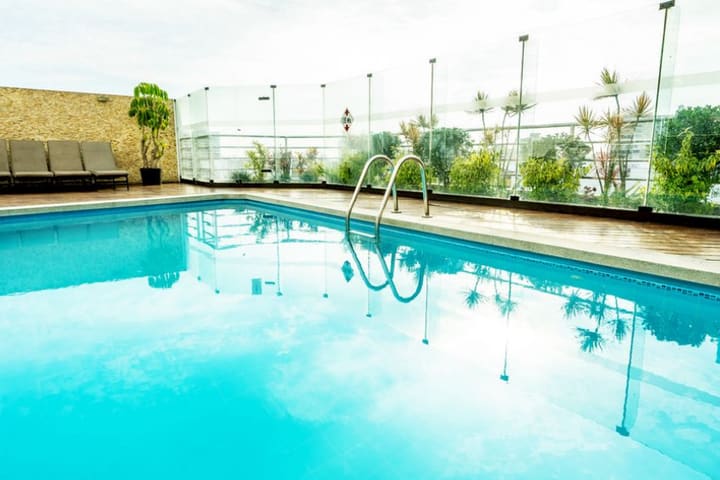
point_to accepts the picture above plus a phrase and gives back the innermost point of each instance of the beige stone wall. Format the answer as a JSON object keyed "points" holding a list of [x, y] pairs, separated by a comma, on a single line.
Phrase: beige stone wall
{"points": [[50, 115]]}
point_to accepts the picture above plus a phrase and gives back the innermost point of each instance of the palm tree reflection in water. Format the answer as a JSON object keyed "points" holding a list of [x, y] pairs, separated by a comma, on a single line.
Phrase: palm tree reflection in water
{"points": [[595, 306]]}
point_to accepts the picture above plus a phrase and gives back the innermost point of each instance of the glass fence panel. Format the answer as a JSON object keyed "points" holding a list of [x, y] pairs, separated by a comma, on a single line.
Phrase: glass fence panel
{"points": [[237, 118], [346, 123], [579, 130], [686, 163], [593, 112], [197, 142], [299, 128], [400, 101], [183, 138], [474, 125]]}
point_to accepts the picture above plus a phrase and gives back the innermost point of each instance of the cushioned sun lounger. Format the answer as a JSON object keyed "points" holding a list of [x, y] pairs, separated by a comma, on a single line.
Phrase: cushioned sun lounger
{"points": [[100, 161], [28, 161], [66, 162], [5, 175]]}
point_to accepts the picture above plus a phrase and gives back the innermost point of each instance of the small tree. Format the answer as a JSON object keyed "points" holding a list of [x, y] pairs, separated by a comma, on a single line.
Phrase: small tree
{"points": [[150, 107], [447, 145], [703, 122], [385, 143]]}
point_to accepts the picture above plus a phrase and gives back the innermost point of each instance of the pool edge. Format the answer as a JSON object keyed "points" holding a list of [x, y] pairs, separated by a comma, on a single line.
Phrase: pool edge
{"points": [[677, 267]]}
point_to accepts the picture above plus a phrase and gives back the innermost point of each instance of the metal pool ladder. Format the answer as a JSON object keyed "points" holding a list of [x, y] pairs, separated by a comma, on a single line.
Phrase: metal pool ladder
{"points": [[390, 187]]}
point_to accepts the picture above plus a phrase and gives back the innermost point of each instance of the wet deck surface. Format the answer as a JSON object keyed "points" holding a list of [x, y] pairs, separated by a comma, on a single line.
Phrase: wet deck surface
{"points": [[681, 252]]}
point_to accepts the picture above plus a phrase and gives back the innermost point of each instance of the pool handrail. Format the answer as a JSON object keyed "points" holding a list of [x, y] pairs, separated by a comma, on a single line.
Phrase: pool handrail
{"points": [[363, 175], [391, 183]]}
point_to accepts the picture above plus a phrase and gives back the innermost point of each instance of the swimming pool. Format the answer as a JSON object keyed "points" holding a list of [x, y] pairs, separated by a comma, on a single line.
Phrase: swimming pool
{"points": [[243, 340]]}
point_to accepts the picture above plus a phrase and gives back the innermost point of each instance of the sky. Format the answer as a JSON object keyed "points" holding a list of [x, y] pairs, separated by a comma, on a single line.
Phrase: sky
{"points": [[105, 46]]}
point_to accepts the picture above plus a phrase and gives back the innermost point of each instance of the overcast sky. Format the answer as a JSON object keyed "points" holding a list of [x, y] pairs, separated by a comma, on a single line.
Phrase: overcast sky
{"points": [[109, 46]]}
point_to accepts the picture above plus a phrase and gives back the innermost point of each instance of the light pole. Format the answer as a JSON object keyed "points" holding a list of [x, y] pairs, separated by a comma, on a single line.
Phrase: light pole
{"points": [[665, 6], [522, 39], [265, 98], [324, 144], [432, 108], [275, 177]]}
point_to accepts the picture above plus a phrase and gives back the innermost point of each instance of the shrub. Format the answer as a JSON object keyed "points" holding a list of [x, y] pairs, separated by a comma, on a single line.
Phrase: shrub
{"points": [[554, 167], [683, 182], [477, 173], [285, 164], [551, 178], [240, 176], [409, 176], [313, 172], [350, 167]]}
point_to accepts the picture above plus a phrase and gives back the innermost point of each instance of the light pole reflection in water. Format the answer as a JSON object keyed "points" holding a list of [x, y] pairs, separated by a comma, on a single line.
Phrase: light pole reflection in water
{"points": [[325, 255], [632, 388], [278, 292], [506, 308], [427, 295]]}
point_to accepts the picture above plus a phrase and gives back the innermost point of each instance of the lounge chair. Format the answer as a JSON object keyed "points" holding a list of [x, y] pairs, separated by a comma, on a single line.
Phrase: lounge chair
{"points": [[5, 175], [66, 162], [100, 161], [28, 161]]}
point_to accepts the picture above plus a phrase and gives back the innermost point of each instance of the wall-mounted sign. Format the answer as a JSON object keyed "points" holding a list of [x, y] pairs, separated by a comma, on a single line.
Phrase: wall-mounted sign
{"points": [[346, 120]]}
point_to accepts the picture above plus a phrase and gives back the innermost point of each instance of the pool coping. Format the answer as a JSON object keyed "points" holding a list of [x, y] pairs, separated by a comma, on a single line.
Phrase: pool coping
{"points": [[678, 267]]}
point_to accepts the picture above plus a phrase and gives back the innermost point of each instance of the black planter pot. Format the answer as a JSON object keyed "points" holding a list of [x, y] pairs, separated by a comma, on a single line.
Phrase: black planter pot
{"points": [[150, 176]]}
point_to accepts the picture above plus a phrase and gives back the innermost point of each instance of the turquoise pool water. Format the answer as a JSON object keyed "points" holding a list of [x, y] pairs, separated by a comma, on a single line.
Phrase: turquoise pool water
{"points": [[240, 340]]}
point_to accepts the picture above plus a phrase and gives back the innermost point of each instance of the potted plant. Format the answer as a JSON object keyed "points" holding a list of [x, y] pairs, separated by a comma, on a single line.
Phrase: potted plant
{"points": [[150, 107]]}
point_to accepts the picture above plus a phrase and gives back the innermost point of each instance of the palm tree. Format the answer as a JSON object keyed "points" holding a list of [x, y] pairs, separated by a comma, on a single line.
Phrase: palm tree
{"points": [[613, 161], [640, 108], [588, 123]]}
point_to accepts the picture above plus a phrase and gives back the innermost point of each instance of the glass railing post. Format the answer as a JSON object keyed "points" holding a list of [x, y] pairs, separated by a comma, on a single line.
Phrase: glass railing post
{"points": [[522, 39], [665, 7]]}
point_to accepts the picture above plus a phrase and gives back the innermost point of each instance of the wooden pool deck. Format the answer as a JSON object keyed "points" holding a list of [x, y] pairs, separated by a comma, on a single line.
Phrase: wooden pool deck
{"points": [[685, 253]]}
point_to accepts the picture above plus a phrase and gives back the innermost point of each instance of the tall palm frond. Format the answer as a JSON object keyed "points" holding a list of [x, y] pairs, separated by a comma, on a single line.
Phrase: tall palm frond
{"points": [[641, 107], [481, 103], [610, 83], [586, 119]]}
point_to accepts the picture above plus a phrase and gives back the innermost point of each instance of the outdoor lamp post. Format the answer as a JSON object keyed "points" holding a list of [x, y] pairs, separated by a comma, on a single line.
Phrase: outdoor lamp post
{"points": [[275, 177], [265, 98]]}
